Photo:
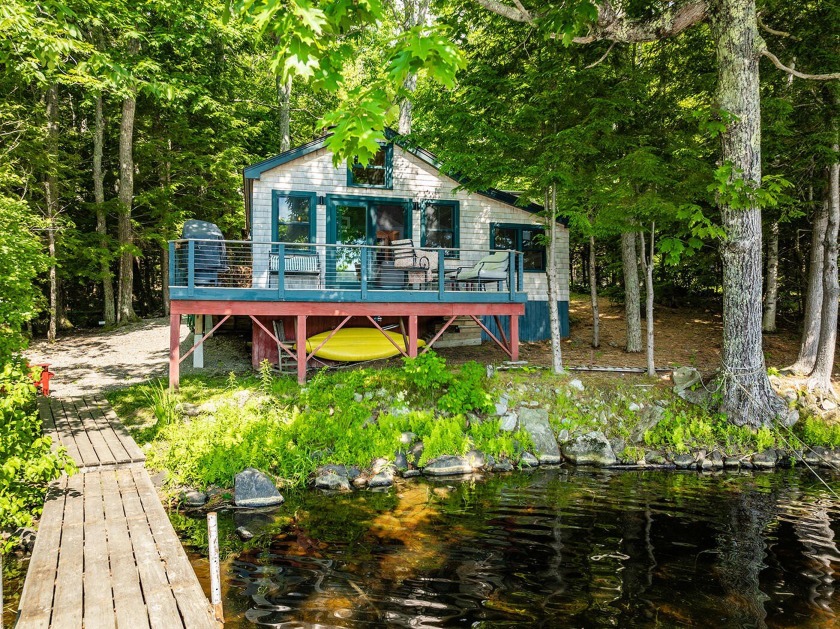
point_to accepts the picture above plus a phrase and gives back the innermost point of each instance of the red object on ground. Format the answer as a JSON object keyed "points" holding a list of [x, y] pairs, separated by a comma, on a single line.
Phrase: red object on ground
{"points": [[42, 383]]}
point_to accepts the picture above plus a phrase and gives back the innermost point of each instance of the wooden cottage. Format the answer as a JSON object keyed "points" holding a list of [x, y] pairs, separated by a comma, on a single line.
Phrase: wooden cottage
{"points": [[394, 244]]}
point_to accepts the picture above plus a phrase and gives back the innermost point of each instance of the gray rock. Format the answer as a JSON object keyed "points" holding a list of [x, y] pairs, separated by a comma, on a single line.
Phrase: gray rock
{"points": [[700, 397], [193, 498], [476, 459], [655, 457], [563, 436], [684, 378], [448, 466], [407, 438], [713, 461], [650, 417], [341, 470], [409, 473], [358, 397], [26, 538], [509, 421], [159, 479], [764, 460], [590, 449], [416, 451], [528, 460], [576, 384], [187, 409], [378, 465], [400, 461], [244, 534], [535, 423], [252, 488], [360, 481], [633, 407], [815, 455], [828, 405], [731, 462], [502, 406], [385, 478], [684, 461], [332, 482], [502, 466]]}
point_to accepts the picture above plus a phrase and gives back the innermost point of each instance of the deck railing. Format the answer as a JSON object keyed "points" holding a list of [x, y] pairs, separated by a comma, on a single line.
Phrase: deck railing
{"points": [[280, 271]]}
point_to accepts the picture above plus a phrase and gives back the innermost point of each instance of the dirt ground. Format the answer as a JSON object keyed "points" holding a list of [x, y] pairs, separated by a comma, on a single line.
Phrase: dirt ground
{"points": [[96, 360]]}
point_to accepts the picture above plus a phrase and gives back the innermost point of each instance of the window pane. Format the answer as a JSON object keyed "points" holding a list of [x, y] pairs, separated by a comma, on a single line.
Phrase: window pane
{"points": [[535, 260], [439, 238], [439, 217], [532, 239], [374, 173], [293, 209], [293, 232], [505, 238]]}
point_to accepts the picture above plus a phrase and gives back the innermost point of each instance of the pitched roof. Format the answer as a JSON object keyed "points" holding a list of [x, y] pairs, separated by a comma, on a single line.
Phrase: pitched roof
{"points": [[255, 170]]}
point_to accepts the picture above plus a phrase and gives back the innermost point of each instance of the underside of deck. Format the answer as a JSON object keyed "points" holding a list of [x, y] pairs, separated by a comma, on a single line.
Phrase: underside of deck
{"points": [[343, 312]]}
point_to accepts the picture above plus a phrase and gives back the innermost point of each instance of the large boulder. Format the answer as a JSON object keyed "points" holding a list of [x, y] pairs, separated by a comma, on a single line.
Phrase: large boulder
{"points": [[684, 378], [448, 466], [535, 422], [332, 482], [593, 448], [648, 420], [252, 488]]}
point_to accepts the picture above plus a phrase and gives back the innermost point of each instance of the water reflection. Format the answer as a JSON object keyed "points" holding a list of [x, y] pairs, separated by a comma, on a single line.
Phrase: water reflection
{"points": [[554, 548]]}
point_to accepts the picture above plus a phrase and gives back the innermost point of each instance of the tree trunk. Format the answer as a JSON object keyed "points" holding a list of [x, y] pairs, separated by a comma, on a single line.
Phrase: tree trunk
{"points": [[747, 396], [414, 14], [52, 205], [820, 378], [125, 234], [553, 289], [284, 99], [632, 315], [647, 265], [109, 313], [410, 84], [593, 294], [814, 297], [768, 323]]}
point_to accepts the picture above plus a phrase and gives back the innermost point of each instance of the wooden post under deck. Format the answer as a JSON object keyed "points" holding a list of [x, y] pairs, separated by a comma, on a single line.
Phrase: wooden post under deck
{"points": [[514, 337], [300, 340], [412, 336], [174, 350]]}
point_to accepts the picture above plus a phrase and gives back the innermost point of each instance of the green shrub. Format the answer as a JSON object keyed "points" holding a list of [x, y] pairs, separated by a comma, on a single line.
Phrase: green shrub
{"points": [[26, 462], [815, 431], [426, 376], [467, 392]]}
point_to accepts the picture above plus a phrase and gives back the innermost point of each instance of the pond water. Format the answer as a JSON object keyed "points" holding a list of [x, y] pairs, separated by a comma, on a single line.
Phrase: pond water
{"points": [[552, 548]]}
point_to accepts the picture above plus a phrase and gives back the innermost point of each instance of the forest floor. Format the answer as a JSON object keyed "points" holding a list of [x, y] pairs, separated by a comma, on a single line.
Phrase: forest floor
{"points": [[93, 361]]}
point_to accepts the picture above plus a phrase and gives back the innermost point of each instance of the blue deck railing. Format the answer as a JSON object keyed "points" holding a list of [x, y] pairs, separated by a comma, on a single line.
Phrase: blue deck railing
{"points": [[278, 271]]}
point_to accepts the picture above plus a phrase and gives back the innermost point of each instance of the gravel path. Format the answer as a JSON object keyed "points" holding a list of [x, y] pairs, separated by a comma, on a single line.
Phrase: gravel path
{"points": [[95, 361]]}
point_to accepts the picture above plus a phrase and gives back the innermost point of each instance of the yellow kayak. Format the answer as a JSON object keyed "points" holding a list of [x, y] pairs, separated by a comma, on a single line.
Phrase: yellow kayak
{"points": [[352, 344]]}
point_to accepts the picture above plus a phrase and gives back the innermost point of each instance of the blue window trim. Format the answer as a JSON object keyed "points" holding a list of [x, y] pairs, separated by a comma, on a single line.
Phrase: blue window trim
{"points": [[334, 200], [456, 223], [389, 171], [275, 211], [519, 228]]}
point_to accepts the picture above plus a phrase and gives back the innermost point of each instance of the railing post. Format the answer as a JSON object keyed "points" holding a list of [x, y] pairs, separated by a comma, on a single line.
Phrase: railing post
{"points": [[173, 278], [441, 274], [215, 572], [521, 272], [364, 277], [512, 274], [191, 268], [281, 271]]}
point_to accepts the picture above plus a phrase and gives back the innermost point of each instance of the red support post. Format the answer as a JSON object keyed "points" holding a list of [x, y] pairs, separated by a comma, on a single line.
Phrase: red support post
{"points": [[300, 340], [514, 337], [412, 336], [174, 351]]}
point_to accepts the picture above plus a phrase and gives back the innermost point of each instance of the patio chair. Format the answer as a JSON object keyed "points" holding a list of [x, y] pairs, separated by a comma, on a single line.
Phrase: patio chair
{"points": [[419, 263], [297, 265], [491, 268]]}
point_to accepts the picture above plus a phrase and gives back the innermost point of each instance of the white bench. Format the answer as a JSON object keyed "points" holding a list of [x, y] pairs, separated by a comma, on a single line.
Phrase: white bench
{"points": [[296, 264]]}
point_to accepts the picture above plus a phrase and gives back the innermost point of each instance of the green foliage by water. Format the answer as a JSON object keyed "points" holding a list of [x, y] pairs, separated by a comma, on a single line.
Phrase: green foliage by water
{"points": [[350, 417], [26, 462]]}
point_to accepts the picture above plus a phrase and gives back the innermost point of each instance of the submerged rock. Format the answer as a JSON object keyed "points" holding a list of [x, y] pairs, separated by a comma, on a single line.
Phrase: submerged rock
{"points": [[535, 422], [384, 478], [448, 466], [252, 488], [332, 482], [593, 448], [410, 473], [193, 498], [684, 461], [765, 460], [502, 466], [528, 460]]}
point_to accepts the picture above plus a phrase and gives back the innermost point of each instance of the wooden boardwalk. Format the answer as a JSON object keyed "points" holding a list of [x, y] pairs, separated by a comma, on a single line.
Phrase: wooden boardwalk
{"points": [[106, 554]]}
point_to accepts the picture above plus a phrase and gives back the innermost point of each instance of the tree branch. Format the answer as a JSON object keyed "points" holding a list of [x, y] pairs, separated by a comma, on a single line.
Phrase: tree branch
{"points": [[604, 56], [517, 13], [773, 31], [813, 77], [613, 24]]}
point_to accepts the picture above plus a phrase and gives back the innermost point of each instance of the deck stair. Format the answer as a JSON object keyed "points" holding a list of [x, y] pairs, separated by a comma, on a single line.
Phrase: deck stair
{"points": [[463, 331], [106, 554]]}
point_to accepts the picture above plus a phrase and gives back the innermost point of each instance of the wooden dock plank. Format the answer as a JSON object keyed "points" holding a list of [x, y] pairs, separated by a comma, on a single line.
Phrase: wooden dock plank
{"points": [[160, 601], [194, 606], [77, 429], [114, 443], [68, 582], [98, 590], [63, 430], [47, 421], [36, 601], [97, 439], [128, 596], [131, 446]]}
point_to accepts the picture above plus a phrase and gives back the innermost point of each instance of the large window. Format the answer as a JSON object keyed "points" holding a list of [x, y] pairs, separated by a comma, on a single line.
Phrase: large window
{"points": [[376, 174], [293, 217], [440, 226], [525, 238]]}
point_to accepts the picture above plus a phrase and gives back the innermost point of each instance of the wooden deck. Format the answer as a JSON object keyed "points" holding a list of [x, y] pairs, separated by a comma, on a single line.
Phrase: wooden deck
{"points": [[106, 554], [90, 431]]}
